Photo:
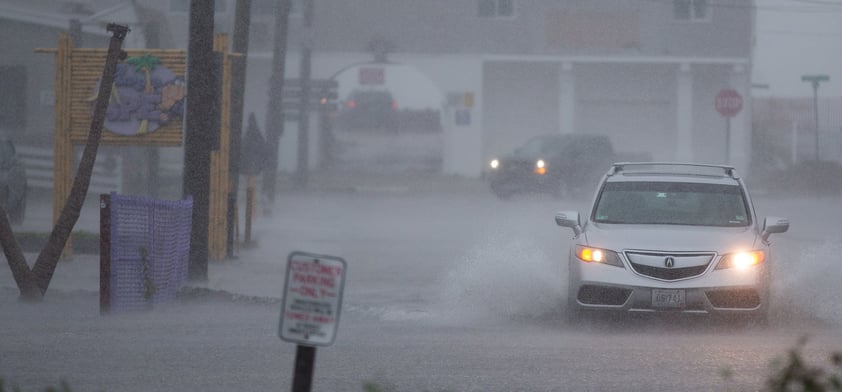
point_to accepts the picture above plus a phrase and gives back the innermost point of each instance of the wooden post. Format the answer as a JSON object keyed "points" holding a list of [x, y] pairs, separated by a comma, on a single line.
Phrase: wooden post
{"points": [[219, 180], [63, 155], [250, 184]]}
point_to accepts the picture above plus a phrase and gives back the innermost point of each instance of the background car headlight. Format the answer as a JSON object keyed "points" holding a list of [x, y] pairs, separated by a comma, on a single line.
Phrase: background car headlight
{"points": [[494, 164], [597, 255], [540, 167], [741, 260]]}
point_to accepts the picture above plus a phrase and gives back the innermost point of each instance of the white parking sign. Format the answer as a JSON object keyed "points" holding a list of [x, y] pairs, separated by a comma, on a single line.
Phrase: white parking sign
{"points": [[312, 299]]}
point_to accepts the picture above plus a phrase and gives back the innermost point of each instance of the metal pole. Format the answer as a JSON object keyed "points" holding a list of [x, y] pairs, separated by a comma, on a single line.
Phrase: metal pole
{"points": [[201, 88], [794, 142], [153, 156], [242, 21], [816, 114], [303, 161], [274, 113], [104, 254], [305, 360], [727, 139]]}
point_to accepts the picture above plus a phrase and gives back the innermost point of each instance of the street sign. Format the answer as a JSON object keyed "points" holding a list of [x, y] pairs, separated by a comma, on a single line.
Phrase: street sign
{"points": [[728, 102], [369, 76], [312, 299], [815, 78]]}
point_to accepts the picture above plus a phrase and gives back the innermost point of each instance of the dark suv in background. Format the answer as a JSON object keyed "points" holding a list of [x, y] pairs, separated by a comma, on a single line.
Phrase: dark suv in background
{"points": [[369, 110], [562, 165], [12, 182]]}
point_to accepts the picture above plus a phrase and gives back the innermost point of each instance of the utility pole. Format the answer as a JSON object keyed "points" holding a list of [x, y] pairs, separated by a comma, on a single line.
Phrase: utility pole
{"points": [[152, 34], [242, 22], [815, 80], [200, 133], [274, 113], [303, 163]]}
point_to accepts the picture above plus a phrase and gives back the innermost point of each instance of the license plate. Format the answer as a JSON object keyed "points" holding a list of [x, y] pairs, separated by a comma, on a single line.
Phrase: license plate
{"points": [[667, 298]]}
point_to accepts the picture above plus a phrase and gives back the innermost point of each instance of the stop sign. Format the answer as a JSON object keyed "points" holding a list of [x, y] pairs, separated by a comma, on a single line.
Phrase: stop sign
{"points": [[728, 102]]}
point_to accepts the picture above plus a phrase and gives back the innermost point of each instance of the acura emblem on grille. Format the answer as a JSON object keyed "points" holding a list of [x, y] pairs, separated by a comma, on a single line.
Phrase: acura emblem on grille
{"points": [[669, 262]]}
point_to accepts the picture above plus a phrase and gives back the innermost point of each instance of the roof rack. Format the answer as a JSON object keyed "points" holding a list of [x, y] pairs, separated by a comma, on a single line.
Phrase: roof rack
{"points": [[674, 168]]}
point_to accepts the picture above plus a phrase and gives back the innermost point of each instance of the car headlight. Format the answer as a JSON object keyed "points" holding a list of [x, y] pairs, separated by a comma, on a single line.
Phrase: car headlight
{"points": [[540, 167], [494, 164], [741, 260], [597, 255]]}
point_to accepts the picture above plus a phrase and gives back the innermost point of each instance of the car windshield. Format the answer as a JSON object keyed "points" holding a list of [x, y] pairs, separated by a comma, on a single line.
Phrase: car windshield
{"points": [[672, 203], [539, 146]]}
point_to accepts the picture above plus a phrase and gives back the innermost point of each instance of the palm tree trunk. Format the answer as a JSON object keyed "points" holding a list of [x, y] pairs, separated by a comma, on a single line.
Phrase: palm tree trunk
{"points": [[48, 259], [24, 277]]}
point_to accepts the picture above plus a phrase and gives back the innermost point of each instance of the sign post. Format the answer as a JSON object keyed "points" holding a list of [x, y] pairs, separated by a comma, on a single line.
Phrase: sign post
{"points": [[310, 309], [815, 80], [728, 103]]}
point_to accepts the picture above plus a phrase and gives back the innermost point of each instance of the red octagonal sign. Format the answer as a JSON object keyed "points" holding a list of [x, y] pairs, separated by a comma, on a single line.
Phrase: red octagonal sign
{"points": [[728, 102]]}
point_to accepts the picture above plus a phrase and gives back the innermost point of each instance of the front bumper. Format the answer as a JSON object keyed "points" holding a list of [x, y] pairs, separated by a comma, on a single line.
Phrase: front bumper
{"points": [[713, 300], [523, 182], [609, 288]]}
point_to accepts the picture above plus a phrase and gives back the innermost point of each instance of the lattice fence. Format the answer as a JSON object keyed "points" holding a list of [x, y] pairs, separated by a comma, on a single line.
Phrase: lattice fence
{"points": [[145, 250]]}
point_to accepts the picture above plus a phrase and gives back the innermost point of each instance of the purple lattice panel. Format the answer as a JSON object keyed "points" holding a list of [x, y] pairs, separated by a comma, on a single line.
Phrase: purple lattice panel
{"points": [[150, 242]]}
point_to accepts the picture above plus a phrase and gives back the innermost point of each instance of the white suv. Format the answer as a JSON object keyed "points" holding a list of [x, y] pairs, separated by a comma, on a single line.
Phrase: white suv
{"points": [[670, 237]]}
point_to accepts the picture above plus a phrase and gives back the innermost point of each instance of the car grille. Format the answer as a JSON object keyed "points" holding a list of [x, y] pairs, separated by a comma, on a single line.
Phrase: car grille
{"points": [[603, 295], [653, 264], [734, 299]]}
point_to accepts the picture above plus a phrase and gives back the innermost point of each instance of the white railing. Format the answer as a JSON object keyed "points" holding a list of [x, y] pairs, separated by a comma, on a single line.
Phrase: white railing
{"points": [[38, 161]]}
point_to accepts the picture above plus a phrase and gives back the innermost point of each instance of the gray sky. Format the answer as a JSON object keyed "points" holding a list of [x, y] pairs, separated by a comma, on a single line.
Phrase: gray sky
{"points": [[797, 37]]}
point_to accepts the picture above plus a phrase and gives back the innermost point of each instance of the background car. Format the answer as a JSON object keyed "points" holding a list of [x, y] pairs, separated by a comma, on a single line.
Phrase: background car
{"points": [[671, 238], [12, 182], [556, 164], [368, 110]]}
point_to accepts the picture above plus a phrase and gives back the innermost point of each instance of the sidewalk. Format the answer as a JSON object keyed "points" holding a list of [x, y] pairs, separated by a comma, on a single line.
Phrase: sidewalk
{"points": [[384, 182]]}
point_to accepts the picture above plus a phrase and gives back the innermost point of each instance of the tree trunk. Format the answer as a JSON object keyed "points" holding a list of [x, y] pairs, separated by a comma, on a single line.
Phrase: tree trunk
{"points": [[48, 259], [24, 277]]}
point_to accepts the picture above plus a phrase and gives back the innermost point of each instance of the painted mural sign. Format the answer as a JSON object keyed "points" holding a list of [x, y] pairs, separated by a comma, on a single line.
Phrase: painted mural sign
{"points": [[145, 97]]}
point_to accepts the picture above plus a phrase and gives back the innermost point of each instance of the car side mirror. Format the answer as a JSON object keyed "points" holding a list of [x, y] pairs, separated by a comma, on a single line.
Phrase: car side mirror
{"points": [[773, 225], [569, 219]]}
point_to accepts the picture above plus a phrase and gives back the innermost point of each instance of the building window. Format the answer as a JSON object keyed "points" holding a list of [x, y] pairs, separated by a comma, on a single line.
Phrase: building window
{"points": [[496, 8], [184, 6], [13, 97], [692, 10]]}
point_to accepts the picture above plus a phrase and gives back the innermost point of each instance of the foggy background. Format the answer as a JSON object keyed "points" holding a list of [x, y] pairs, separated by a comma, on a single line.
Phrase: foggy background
{"points": [[449, 287]]}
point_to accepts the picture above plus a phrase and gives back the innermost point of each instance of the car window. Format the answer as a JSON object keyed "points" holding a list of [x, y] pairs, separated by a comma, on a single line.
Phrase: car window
{"points": [[672, 203], [539, 146]]}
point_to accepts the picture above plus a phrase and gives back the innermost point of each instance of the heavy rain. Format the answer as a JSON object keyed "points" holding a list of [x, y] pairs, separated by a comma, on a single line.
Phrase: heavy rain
{"points": [[423, 156]]}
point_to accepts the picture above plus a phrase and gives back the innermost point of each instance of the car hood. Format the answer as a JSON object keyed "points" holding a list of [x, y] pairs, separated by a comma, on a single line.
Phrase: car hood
{"points": [[670, 238]]}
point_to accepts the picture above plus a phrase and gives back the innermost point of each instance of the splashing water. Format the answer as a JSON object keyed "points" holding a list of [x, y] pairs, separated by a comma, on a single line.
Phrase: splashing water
{"points": [[505, 275], [807, 283]]}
